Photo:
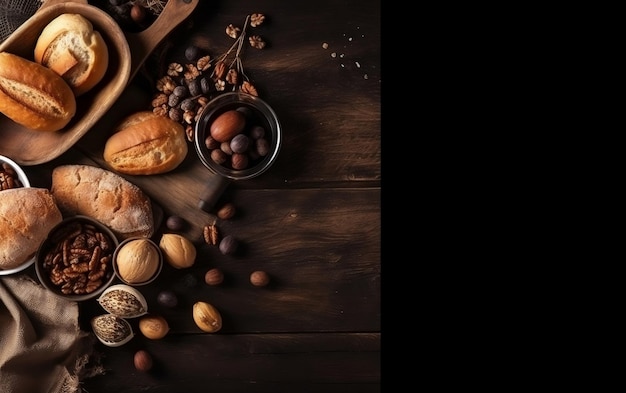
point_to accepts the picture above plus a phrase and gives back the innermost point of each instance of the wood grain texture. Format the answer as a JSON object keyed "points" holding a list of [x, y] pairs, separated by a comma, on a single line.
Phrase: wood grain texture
{"points": [[312, 221]]}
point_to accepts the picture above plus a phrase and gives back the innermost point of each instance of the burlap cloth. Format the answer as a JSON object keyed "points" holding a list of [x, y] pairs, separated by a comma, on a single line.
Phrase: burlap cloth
{"points": [[42, 348]]}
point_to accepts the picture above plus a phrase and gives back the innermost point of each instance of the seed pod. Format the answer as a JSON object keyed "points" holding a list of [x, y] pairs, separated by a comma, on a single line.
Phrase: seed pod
{"points": [[206, 317], [124, 301], [111, 330]]}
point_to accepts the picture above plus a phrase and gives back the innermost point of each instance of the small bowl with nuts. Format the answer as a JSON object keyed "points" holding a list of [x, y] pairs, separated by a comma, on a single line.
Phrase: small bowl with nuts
{"points": [[11, 174], [137, 261], [75, 261], [237, 137]]}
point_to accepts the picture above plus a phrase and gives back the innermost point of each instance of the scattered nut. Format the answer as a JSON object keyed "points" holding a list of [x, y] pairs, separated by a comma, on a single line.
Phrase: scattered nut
{"points": [[175, 223], [167, 299], [228, 245], [256, 19], [232, 31], [211, 235], [142, 360], [206, 317], [177, 250], [227, 211], [154, 327], [259, 278], [214, 277], [256, 42]]}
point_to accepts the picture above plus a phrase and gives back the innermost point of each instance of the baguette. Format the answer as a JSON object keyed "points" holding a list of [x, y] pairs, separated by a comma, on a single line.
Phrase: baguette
{"points": [[145, 143], [103, 195], [33, 95], [73, 49], [27, 214]]}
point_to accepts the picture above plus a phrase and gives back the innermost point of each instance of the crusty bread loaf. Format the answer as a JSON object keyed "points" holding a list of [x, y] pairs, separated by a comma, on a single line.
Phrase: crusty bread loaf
{"points": [[103, 195], [73, 49], [145, 143], [27, 214], [33, 95]]}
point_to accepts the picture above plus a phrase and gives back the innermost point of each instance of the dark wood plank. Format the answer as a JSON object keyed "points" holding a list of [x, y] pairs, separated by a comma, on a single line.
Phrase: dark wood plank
{"points": [[251, 363]]}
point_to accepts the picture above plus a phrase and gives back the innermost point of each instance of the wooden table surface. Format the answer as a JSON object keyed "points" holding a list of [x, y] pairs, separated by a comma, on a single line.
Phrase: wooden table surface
{"points": [[312, 221]]}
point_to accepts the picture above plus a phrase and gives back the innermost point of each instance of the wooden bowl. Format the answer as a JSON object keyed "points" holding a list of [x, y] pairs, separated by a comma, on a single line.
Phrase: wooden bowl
{"points": [[127, 52]]}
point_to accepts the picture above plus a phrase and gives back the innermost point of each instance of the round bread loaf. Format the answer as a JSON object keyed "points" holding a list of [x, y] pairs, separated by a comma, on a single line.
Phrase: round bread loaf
{"points": [[27, 214], [145, 143], [103, 195], [70, 46]]}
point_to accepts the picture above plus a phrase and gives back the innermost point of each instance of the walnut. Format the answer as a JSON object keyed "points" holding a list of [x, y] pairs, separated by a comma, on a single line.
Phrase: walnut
{"points": [[220, 85], [161, 110], [247, 87], [202, 101], [188, 116], [192, 72], [174, 69], [219, 70], [159, 99], [232, 31], [204, 63], [166, 84], [256, 19], [232, 77], [256, 42]]}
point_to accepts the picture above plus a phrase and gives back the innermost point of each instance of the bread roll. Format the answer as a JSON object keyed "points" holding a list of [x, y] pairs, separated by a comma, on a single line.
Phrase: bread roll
{"points": [[103, 195], [33, 95], [70, 46], [27, 215], [145, 143]]}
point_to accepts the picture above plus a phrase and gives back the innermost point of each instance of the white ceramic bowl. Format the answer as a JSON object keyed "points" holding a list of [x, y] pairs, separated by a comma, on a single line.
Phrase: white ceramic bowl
{"points": [[7, 163], [21, 176]]}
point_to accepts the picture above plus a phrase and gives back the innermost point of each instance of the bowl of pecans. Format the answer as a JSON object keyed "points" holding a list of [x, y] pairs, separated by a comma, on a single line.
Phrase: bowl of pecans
{"points": [[11, 174], [75, 260]]}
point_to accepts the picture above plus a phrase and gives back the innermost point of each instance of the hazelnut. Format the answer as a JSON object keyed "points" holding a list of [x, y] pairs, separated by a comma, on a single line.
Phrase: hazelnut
{"points": [[142, 360], [227, 211], [214, 277], [259, 278]]}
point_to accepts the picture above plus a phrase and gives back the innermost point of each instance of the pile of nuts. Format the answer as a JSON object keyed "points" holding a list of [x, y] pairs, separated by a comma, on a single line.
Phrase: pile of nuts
{"points": [[133, 15], [8, 177], [79, 261], [237, 139], [186, 89]]}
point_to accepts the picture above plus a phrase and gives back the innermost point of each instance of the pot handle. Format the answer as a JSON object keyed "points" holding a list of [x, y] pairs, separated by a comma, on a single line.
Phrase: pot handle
{"points": [[212, 192], [143, 43]]}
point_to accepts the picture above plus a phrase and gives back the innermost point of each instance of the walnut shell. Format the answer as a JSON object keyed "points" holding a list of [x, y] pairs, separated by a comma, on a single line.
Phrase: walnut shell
{"points": [[123, 301]]}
